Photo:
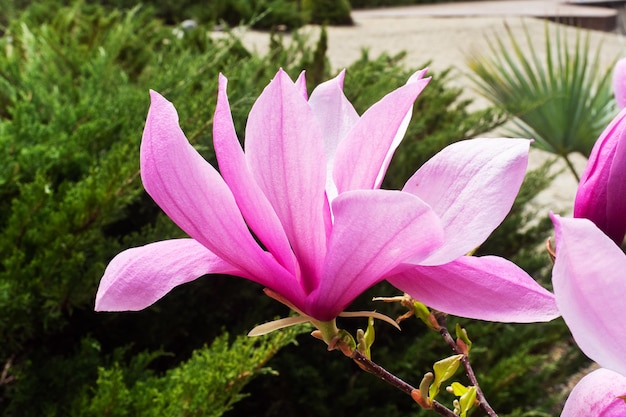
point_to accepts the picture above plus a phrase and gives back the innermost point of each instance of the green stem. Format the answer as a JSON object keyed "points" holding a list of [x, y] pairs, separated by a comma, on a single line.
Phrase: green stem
{"points": [[328, 329], [571, 167]]}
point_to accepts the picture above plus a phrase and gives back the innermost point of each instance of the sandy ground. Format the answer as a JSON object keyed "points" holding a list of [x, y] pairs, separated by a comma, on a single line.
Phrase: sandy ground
{"points": [[447, 42]]}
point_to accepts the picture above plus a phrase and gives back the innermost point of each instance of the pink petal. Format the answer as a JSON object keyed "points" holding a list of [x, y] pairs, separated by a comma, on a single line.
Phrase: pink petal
{"points": [[194, 196], [373, 232], [138, 277], [285, 150], [399, 134], [619, 83], [301, 84], [364, 152], [601, 195], [590, 290], [471, 185], [597, 395], [336, 116], [254, 206], [484, 288]]}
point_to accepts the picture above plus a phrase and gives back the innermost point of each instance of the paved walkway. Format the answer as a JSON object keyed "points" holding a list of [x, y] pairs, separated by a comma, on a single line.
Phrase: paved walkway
{"points": [[587, 15]]}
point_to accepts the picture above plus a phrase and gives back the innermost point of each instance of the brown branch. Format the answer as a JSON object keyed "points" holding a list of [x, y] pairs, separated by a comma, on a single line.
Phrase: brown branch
{"points": [[369, 366], [469, 371]]}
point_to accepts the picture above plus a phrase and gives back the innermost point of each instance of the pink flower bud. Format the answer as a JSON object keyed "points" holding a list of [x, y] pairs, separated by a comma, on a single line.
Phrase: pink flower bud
{"points": [[601, 195]]}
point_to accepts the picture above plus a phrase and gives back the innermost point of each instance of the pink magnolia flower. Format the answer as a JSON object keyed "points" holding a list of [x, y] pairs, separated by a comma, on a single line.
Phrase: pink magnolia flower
{"points": [[301, 212], [619, 83], [601, 195], [598, 394], [590, 290]]}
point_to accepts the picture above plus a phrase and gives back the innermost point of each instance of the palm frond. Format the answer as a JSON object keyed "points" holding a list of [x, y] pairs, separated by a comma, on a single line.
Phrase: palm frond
{"points": [[561, 98]]}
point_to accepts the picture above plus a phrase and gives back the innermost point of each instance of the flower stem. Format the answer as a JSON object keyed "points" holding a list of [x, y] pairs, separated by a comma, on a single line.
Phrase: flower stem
{"points": [[469, 371], [328, 329]]}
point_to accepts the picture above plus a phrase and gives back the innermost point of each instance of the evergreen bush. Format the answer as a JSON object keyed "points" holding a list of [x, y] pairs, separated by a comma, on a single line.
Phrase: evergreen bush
{"points": [[72, 106], [260, 14], [207, 384], [327, 11]]}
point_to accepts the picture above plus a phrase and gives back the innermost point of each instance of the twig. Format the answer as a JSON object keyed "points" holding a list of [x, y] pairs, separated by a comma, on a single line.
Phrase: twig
{"points": [[5, 378], [380, 372], [469, 371]]}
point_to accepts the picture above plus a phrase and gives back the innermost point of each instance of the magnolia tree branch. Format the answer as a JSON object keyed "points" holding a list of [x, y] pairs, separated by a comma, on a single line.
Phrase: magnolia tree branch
{"points": [[469, 371], [369, 366], [437, 321]]}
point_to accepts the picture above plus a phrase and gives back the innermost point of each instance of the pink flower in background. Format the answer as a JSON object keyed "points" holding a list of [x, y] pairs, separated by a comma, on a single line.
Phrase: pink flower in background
{"points": [[619, 83], [598, 394], [601, 195], [590, 290], [301, 212]]}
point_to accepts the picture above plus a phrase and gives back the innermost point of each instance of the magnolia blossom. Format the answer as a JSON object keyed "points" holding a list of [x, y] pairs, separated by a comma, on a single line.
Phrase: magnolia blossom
{"points": [[619, 83], [590, 290], [601, 195], [301, 212]]}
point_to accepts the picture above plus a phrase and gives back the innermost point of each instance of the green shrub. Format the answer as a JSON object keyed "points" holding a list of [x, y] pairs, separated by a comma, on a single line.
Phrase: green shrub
{"points": [[261, 14], [330, 12], [207, 384], [72, 106]]}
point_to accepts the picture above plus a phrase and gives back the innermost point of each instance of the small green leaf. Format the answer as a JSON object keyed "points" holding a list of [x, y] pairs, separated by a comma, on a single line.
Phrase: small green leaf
{"points": [[458, 389], [461, 333], [467, 401], [423, 313], [444, 370]]}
